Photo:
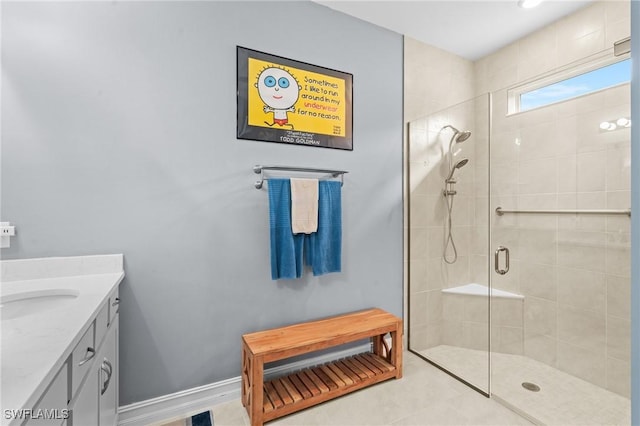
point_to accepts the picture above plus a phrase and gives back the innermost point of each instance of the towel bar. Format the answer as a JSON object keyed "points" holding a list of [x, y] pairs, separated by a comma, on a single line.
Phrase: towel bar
{"points": [[259, 169]]}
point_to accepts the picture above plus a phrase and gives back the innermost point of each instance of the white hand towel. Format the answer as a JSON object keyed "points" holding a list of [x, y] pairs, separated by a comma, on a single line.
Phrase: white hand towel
{"points": [[304, 206]]}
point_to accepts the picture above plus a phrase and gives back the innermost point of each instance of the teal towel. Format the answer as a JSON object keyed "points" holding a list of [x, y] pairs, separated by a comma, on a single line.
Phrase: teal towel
{"points": [[323, 249], [286, 248]]}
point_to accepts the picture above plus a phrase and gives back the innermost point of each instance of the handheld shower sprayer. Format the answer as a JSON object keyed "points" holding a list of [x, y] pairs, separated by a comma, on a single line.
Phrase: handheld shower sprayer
{"points": [[448, 193], [457, 166]]}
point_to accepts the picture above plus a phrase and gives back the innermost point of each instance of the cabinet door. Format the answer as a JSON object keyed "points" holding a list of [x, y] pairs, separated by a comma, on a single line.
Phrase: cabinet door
{"points": [[54, 401], [108, 373], [84, 411]]}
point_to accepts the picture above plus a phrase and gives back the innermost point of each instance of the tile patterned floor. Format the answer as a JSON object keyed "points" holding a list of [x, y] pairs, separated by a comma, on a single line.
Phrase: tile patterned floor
{"points": [[424, 396], [562, 400]]}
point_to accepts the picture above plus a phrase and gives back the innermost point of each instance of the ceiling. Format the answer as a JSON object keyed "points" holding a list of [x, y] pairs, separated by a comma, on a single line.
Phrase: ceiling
{"points": [[471, 29]]}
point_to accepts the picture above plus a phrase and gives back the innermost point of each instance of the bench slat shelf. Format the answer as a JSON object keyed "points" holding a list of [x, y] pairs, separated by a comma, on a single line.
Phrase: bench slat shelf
{"points": [[278, 397], [289, 394]]}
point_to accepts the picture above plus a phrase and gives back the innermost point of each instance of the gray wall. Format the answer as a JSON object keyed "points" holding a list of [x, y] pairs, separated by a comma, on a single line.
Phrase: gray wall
{"points": [[118, 136]]}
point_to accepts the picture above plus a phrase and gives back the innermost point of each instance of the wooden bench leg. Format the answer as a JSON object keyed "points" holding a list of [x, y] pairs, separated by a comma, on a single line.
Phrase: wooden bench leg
{"points": [[393, 355], [376, 345], [256, 391], [252, 385], [396, 350], [245, 369]]}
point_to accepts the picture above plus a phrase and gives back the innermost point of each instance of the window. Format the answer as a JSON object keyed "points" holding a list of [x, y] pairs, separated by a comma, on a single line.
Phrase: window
{"points": [[570, 84]]}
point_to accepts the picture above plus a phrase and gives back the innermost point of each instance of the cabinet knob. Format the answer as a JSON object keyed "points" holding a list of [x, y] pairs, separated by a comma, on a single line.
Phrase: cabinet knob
{"points": [[116, 301]]}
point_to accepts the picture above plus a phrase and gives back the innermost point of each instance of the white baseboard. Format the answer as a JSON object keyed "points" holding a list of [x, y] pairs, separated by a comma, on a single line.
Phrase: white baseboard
{"points": [[192, 401]]}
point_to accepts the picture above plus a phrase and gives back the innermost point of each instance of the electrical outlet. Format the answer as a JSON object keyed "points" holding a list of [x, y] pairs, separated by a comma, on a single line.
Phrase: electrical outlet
{"points": [[6, 231]]}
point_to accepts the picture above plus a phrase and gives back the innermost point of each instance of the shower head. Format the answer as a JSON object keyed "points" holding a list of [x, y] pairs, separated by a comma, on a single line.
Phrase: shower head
{"points": [[456, 166], [463, 136], [457, 136]]}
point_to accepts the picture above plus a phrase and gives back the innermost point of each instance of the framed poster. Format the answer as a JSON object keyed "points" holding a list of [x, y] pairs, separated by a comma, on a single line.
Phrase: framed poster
{"points": [[286, 101]]}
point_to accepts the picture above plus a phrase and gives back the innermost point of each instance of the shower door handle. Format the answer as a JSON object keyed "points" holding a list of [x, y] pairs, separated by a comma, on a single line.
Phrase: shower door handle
{"points": [[497, 262]]}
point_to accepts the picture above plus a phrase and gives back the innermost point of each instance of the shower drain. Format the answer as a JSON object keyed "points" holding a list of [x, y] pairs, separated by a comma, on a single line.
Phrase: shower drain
{"points": [[531, 386]]}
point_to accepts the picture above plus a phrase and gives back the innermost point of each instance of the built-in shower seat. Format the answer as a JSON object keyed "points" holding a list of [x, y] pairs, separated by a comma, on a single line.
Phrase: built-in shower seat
{"points": [[275, 398]]}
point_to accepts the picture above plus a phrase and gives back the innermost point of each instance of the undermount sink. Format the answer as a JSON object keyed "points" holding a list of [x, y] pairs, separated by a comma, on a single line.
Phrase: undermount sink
{"points": [[30, 302]]}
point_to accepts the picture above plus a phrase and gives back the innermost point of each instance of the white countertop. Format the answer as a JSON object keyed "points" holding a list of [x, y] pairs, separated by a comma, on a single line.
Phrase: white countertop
{"points": [[35, 346]]}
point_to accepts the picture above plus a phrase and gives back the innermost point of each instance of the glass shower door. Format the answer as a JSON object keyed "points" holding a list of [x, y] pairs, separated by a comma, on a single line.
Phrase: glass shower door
{"points": [[560, 315], [448, 240]]}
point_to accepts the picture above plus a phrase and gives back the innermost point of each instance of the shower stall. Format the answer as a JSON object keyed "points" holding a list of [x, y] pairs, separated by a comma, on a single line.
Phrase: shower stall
{"points": [[519, 252]]}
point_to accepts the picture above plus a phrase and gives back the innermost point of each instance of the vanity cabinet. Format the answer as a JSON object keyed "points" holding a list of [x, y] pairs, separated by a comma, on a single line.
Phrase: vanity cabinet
{"points": [[96, 400], [60, 362], [90, 389]]}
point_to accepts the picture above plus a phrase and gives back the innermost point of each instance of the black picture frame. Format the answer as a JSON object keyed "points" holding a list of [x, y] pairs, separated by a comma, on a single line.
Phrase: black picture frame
{"points": [[282, 100]]}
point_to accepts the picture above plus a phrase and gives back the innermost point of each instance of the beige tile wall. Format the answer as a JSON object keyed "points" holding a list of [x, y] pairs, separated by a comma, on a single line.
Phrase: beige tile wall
{"points": [[434, 80], [428, 167], [581, 34]]}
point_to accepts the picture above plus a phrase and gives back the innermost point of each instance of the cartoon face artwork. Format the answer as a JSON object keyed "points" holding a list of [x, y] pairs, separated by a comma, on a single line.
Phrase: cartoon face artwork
{"points": [[279, 91]]}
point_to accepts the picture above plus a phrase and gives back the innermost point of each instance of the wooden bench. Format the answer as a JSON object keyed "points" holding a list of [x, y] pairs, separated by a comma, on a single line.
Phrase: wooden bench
{"points": [[303, 389]]}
